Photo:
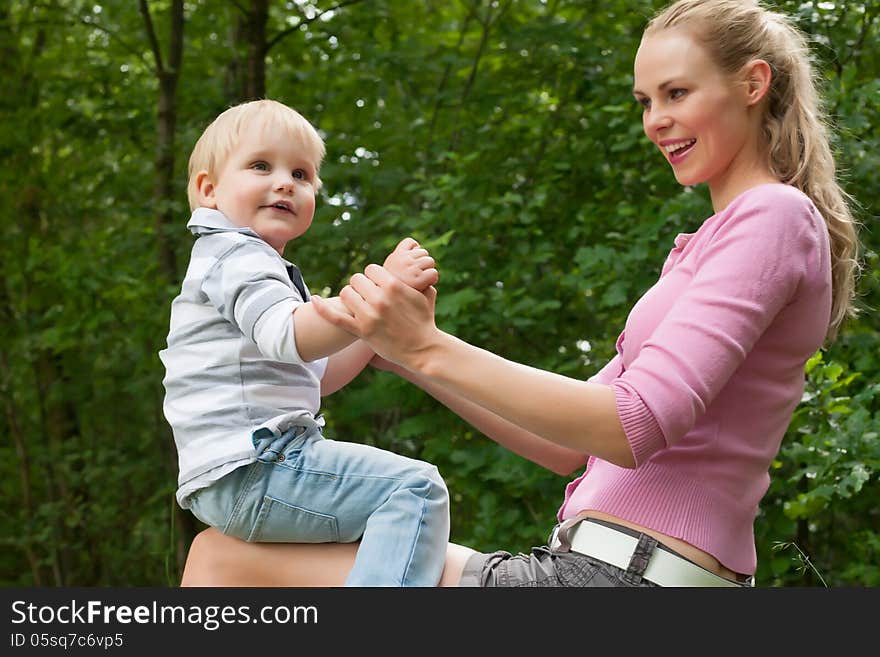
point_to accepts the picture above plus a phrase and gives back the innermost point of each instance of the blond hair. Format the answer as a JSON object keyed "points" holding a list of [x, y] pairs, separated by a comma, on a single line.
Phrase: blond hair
{"points": [[221, 137], [735, 32]]}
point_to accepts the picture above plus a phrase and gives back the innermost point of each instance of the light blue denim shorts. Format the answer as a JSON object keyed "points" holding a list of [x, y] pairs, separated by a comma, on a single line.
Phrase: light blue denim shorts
{"points": [[304, 488]]}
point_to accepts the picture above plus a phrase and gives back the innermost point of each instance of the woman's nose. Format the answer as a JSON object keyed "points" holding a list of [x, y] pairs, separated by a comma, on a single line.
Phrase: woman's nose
{"points": [[656, 121]]}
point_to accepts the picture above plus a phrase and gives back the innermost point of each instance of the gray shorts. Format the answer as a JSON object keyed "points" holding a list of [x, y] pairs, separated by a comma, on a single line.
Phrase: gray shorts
{"points": [[542, 567], [545, 567]]}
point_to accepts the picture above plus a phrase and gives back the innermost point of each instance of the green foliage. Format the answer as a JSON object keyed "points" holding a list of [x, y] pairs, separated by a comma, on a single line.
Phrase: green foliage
{"points": [[501, 134], [826, 471]]}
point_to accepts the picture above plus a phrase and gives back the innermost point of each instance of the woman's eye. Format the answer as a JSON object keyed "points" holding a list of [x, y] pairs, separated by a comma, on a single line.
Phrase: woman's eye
{"points": [[644, 102], [677, 93]]}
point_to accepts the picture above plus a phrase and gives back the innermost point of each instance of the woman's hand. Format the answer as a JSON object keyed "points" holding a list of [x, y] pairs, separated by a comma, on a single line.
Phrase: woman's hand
{"points": [[394, 319]]}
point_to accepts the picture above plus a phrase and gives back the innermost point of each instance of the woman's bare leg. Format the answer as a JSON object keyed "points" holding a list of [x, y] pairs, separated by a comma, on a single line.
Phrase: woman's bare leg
{"points": [[218, 560], [456, 557]]}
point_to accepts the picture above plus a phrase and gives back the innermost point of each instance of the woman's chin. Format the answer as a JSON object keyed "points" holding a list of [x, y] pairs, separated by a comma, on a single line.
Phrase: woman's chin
{"points": [[687, 180]]}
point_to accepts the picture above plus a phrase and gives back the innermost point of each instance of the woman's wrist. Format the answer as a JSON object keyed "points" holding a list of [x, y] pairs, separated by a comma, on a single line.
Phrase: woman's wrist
{"points": [[429, 360]]}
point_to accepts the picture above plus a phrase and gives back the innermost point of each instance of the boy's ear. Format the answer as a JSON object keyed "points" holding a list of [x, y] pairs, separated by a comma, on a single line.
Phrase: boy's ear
{"points": [[757, 78], [205, 188]]}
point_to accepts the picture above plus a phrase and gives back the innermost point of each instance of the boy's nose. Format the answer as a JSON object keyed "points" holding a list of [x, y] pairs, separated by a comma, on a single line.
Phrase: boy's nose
{"points": [[285, 183]]}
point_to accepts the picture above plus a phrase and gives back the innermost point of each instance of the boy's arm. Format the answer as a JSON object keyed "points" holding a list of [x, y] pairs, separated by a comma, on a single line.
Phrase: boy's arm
{"points": [[343, 366], [314, 336]]}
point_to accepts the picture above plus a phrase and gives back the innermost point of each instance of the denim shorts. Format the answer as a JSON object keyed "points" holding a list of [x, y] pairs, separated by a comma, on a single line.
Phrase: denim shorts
{"points": [[304, 488], [545, 567]]}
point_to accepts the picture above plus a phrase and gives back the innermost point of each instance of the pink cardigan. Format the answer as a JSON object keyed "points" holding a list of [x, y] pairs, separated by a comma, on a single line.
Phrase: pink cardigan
{"points": [[708, 371]]}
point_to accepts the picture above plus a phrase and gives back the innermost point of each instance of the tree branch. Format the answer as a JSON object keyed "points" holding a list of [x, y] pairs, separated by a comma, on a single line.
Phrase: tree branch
{"points": [[24, 463], [487, 24], [472, 13], [151, 35], [867, 22], [239, 6], [305, 21], [115, 35], [175, 54]]}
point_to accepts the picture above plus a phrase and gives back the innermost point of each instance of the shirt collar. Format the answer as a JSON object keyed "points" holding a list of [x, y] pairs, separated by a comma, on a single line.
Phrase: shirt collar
{"points": [[206, 221]]}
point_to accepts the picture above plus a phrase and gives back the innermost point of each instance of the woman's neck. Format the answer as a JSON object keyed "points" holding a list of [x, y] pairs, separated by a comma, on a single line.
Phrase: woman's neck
{"points": [[722, 198], [742, 174]]}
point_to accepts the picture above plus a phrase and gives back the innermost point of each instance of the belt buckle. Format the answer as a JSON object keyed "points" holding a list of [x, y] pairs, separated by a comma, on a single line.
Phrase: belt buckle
{"points": [[560, 541]]}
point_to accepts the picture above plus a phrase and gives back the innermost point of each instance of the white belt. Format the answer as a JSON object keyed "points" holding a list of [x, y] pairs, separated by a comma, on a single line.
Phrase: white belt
{"points": [[616, 548]]}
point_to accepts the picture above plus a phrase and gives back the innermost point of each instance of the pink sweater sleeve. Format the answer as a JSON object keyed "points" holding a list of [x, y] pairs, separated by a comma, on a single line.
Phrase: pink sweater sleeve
{"points": [[612, 369], [746, 269]]}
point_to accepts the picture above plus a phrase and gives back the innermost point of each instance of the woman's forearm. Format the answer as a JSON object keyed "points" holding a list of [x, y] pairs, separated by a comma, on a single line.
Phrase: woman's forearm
{"points": [[561, 460], [398, 323], [572, 414]]}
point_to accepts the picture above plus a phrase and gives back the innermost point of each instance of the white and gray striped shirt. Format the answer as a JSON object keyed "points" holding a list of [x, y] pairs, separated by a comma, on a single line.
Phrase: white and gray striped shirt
{"points": [[231, 365]]}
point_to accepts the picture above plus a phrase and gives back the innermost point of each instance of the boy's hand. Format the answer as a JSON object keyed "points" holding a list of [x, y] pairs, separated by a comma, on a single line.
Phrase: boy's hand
{"points": [[412, 264]]}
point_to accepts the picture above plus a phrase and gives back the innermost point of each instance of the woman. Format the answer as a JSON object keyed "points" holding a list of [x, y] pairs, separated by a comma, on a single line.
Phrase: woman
{"points": [[679, 429]]}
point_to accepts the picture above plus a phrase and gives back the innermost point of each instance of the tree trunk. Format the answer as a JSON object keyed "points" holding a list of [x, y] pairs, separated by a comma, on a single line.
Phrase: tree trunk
{"points": [[248, 35], [163, 188], [168, 74], [22, 195], [255, 83]]}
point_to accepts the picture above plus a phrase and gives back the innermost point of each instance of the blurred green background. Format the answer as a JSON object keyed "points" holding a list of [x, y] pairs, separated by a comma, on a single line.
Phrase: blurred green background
{"points": [[501, 134]]}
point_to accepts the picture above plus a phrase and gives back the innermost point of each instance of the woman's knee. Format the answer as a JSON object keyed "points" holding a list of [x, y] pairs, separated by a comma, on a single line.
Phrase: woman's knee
{"points": [[203, 561]]}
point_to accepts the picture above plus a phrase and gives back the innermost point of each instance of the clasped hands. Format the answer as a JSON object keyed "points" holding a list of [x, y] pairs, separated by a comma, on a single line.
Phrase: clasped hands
{"points": [[391, 307]]}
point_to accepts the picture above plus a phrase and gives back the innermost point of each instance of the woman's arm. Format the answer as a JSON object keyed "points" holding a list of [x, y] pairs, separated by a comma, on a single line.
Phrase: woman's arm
{"points": [[561, 460], [398, 323], [573, 414]]}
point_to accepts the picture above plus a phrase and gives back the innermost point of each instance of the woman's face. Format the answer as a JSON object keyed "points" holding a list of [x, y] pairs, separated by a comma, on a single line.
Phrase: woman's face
{"points": [[698, 116]]}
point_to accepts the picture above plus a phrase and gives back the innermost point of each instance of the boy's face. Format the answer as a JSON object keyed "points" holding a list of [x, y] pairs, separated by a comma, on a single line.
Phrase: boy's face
{"points": [[266, 184]]}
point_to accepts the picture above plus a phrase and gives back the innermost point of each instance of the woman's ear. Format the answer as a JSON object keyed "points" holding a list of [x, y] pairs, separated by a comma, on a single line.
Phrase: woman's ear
{"points": [[757, 75], [206, 190]]}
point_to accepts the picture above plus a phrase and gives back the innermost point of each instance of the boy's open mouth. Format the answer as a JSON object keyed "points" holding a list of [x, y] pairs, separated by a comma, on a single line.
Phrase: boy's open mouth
{"points": [[281, 205]]}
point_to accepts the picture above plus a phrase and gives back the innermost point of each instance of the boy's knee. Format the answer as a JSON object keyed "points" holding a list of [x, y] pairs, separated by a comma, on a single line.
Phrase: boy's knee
{"points": [[434, 483]]}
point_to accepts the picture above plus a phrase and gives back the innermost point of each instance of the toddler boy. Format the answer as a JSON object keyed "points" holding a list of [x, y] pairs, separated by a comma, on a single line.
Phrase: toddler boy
{"points": [[248, 359]]}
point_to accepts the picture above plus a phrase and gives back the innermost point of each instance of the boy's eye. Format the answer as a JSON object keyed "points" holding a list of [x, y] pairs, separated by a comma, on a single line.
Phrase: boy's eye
{"points": [[260, 166], [299, 174]]}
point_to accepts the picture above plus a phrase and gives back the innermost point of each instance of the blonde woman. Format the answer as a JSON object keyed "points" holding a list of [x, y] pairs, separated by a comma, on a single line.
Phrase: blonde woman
{"points": [[677, 432]]}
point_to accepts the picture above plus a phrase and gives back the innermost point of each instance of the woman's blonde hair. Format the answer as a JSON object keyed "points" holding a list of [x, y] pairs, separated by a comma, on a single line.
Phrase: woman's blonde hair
{"points": [[221, 137], [735, 32]]}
